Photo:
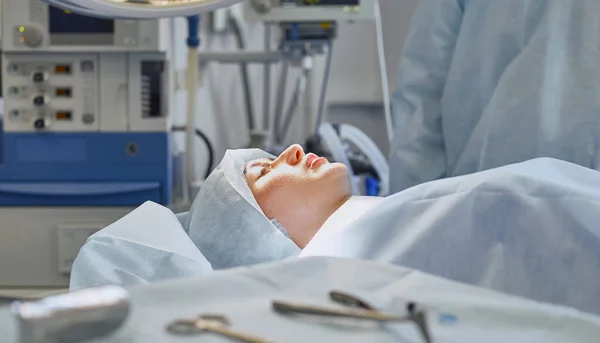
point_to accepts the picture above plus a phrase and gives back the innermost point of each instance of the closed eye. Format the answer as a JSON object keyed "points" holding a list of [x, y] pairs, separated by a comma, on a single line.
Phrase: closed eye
{"points": [[257, 169], [263, 171]]}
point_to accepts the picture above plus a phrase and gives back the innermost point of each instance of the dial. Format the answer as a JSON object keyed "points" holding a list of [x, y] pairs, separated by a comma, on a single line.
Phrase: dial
{"points": [[40, 100], [31, 35], [39, 76], [41, 123]]}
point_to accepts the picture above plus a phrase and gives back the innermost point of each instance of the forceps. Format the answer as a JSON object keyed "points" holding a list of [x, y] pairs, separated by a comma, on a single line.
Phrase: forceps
{"points": [[359, 309], [211, 323]]}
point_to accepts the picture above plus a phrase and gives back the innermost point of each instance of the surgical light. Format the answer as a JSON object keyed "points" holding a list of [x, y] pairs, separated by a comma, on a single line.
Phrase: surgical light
{"points": [[140, 9]]}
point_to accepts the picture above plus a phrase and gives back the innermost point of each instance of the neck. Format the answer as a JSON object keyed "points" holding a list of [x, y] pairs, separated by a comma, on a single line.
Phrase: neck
{"points": [[338, 223], [306, 229]]}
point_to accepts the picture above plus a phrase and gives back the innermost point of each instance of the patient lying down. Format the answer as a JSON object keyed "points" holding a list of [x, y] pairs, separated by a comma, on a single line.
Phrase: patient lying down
{"points": [[255, 207], [527, 229], [304, 192]]}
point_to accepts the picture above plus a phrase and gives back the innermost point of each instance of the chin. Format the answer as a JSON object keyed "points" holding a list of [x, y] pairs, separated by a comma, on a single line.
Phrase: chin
{"points": [[335, 168]]}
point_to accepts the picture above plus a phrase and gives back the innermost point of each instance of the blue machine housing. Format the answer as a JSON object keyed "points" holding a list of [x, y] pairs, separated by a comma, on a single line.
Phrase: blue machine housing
{"points": [[85, 169]]}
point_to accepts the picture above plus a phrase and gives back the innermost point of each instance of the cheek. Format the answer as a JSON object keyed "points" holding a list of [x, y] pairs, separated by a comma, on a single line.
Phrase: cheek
{"points": [[278, 192]]}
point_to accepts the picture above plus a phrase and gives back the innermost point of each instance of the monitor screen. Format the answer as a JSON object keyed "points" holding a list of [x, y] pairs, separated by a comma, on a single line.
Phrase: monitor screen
{"points": [[61, 21]]}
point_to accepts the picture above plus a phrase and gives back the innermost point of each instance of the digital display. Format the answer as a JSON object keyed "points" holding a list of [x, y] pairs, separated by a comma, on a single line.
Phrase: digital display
{"points": [[63, 92], [152, 96], [62, 69], [61, 21], [63, 115]]}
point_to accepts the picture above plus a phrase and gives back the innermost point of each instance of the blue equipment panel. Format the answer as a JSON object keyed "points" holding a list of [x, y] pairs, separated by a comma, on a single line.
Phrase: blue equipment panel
{"points": [[85, 169]]}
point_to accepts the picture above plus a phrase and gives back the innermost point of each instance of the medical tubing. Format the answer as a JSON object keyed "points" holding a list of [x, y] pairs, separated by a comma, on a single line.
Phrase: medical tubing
{"points": [[248, 98], [281, 89], [209, 147], [211, 152], [323, 96], [289, 113], [364, 143], [193, 42], [267, 81], [387, 106]]}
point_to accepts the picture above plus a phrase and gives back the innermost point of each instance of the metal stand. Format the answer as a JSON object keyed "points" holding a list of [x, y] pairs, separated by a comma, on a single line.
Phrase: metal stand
{"points": [[299, 40]]}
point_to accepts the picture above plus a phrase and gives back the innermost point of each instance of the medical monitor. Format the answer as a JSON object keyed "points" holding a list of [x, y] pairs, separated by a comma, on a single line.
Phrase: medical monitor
{"points": [[34, 25]]}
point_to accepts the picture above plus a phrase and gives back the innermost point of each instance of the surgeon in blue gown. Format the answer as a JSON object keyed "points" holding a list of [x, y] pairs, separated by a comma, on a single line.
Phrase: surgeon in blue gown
{"points": [[487, 83]]}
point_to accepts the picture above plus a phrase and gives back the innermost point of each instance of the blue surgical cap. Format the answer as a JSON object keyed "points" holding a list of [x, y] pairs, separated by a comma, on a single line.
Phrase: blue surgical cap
{"points": [[226, 223]]}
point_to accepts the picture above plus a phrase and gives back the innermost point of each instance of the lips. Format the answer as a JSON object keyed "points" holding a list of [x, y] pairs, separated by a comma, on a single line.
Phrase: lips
{"points": [[313, 161]]}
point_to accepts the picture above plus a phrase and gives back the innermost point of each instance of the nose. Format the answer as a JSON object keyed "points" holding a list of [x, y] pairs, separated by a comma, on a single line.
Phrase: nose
{"points": [[292, 155]]}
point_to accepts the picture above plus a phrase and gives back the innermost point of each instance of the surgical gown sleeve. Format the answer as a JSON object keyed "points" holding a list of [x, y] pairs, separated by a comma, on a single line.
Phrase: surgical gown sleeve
{"points": [[417, 150]]}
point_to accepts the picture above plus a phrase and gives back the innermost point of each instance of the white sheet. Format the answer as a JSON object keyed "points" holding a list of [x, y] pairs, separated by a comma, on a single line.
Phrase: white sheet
{"points": [[244, 295], [529, 229]]}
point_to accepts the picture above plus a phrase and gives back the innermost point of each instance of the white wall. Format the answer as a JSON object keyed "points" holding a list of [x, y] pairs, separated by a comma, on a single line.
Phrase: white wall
{"points": [[355, 73], [355, 77]]}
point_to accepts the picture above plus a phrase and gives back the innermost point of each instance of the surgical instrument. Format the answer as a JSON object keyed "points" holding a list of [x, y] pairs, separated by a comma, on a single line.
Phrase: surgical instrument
{"points": [[218, 324], [73, 317], [360, 309]]}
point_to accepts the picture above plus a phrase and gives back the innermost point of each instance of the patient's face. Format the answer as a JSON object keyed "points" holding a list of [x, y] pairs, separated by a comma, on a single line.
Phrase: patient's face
{"points": [[298, 189]]}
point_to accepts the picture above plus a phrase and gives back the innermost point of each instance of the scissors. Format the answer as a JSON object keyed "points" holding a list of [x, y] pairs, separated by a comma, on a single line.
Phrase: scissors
{"points": [[359, 309], [217, 324]]}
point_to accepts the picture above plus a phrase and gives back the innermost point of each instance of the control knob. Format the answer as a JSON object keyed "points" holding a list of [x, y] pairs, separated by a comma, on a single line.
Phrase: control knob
{"points": [[40, 100], [41, 123], [39, 76], [31, 35]]}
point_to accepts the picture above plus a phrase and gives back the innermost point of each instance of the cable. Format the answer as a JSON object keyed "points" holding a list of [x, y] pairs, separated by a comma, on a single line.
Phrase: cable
{"points": [[293, 105], [387, 107], [248, 98], [267, 81], [323, 96], [281, 90], [301, 83], [211, 152], [209, 147]]}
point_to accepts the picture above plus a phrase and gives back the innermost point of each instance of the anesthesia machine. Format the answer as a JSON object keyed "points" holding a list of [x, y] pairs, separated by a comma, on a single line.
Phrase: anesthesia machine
{"points": [[85, 132], [85, 135]]}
